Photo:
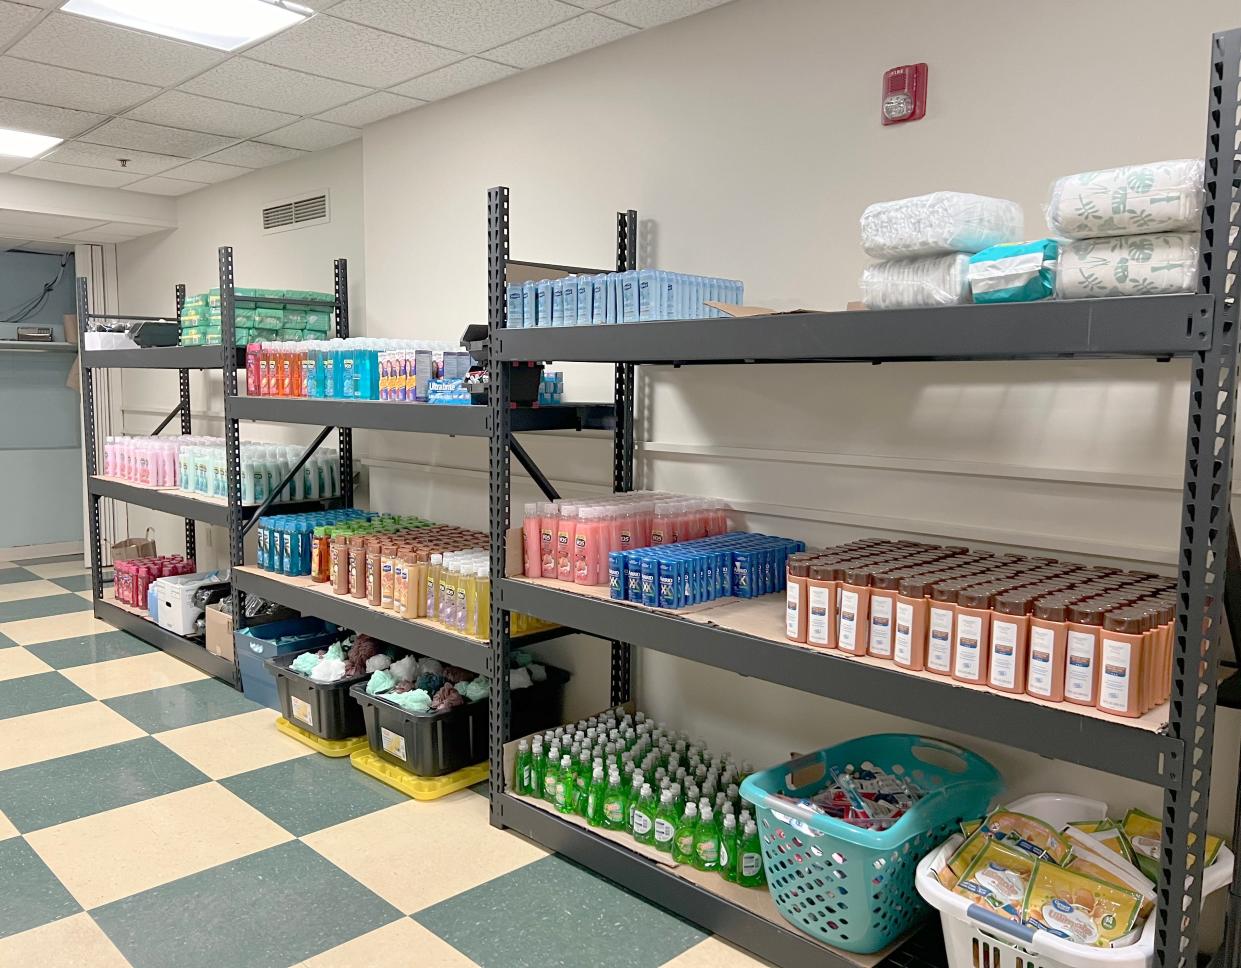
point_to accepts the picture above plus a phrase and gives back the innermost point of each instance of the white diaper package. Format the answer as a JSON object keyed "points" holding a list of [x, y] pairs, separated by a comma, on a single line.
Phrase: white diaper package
{"points": [[935, 280], [938, 223], [1129, 265], [1163, 196]]}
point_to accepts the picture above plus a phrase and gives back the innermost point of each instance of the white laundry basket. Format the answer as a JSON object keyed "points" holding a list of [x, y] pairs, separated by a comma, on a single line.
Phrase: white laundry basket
{"points": [[974, 936]]}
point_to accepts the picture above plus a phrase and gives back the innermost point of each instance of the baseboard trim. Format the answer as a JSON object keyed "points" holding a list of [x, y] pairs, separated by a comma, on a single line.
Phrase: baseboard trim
{"points": [[21, 552]]}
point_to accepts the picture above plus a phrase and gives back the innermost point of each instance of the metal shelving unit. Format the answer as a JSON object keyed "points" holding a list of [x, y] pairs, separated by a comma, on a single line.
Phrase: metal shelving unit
{"points": [[1176, 758]]}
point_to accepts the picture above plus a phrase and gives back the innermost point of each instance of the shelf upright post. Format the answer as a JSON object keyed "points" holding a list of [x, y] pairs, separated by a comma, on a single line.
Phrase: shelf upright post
{"points": [[1202, 556], [499, 493], [232, 426], [87, 379], [622, 441], [183, 383], [344, 434]]}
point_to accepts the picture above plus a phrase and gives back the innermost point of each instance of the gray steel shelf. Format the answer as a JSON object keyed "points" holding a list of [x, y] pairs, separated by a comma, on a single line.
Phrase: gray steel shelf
{"points": [[187, 650], [459, 421], [781, 945], [32, 345], [1106, 745], [208, 512], [162, 358], [1137, 326]]}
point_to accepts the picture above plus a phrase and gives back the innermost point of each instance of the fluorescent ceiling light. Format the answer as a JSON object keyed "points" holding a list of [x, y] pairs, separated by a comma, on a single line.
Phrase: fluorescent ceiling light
{"points": [[222, 24], [23, 144]]}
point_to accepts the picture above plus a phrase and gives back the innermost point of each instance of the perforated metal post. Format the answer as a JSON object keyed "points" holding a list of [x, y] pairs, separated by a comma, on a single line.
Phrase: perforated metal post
{"points": [[344, 434], [1202, 557], [622, 441], [87, 379], [499, 493], [232, 426], [183, 384]]}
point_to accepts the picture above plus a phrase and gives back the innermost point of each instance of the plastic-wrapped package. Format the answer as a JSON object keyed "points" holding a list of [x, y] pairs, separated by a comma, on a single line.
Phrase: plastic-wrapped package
{"points": [[1014, 272], [938, 223], [1163, 196], [934, 280], [1130, 265]]}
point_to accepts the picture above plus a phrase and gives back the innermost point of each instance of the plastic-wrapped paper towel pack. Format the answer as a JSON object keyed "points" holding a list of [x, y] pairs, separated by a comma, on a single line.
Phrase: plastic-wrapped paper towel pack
{"points": [[1130, 265], [933, 280], [939, 223], [1163, 196]]}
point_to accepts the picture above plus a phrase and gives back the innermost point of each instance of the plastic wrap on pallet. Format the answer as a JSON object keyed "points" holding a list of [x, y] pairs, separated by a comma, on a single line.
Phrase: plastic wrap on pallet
{"points": [[1131, 265], [935, 280], [937, 223], [1163, 196]]}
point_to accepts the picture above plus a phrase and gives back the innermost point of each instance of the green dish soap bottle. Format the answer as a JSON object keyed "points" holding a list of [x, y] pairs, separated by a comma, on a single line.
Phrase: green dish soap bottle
{"points": [[683, 840], [706, 842], [566, 786], [594, 798], [614, 804], [523, 770], [643, 816], [551, 775], [728, 849], [538, 768], [665, 822], [750, 871]]}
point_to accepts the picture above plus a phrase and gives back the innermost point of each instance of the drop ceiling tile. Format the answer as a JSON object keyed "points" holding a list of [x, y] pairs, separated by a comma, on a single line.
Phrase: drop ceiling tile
{"points": [[160, 185], [37, 225], [454, 79], [207, 171], [126, 133], [562, 40], [103, 156], [48, 84], [14, 18], [77, 174], [469, 26], [45, 119], [311, 135], [181, 110], [588, 4], [351, 52], [652, 13], [100, 48], [372, 108], [251, 154], [274, 88], [8, 164]]}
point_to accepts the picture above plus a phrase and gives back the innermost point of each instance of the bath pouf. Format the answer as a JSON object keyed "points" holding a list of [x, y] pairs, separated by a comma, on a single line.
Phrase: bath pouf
{"points": [[381, 681]]}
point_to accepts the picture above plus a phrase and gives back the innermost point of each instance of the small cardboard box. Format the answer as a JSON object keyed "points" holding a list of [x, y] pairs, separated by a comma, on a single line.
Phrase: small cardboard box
{"points": [[135, 547], [219, 632]]}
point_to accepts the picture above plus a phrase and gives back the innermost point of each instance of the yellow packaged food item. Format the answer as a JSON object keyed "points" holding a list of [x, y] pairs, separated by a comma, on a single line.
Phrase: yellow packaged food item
{"points": [[998, 880], [1089, 853], [964, 857], [968, 827], [1145, 833], [1029, 834], [1078, 907], [1109, 834]]}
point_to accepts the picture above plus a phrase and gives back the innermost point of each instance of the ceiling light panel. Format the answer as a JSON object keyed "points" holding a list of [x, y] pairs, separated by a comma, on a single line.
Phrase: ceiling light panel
{"points": [[23, 144], [222, 24]]}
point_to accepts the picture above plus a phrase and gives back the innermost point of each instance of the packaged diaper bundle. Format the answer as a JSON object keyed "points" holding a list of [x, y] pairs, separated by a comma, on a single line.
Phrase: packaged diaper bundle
{"points": [[1163, 196], [926, 242], [1128, 265], [933, 280], [1014, 272]]}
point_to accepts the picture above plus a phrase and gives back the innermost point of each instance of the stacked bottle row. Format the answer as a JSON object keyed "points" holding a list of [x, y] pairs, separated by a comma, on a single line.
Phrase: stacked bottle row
{"points": [[133, 576], [571, 540], [352, 369], [199, 465], [1058, 631], [626, 773], [641, 295]]}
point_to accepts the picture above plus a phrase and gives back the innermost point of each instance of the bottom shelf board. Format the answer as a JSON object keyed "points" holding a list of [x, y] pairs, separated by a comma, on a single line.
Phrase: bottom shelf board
{"points": [[746, 636], [744, 916], [137, 623]]}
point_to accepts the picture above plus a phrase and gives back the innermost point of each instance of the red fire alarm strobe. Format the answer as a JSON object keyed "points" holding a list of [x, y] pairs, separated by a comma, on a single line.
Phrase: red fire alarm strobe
{"points": [[904, 94]]}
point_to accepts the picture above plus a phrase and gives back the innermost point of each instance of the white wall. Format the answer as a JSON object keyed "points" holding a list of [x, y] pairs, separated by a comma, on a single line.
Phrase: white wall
{"points": [[230, 214]]}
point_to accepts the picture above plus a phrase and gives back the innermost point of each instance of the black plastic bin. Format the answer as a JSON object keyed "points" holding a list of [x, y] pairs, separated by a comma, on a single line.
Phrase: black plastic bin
{"points": [[433, 744], [322, 708]]}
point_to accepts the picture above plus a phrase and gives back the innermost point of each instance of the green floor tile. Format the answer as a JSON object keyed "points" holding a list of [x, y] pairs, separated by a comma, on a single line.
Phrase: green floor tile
{"points": [[26, 608], [74, 583], [55, 791], [9, 576], [33, 694], [6, 642], [269, 910], [312, 792], [30, 894], [184, 705], [554, 914], [85, 649]]}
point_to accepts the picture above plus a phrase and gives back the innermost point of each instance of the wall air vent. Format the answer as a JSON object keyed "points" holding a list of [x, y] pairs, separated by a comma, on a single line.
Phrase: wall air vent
{"points": [[296, 213]]}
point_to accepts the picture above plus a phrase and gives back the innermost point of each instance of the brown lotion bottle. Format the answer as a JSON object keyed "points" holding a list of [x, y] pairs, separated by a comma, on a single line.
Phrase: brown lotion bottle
{"points": [[910, 627], [1010, 640], [1122, 662], [796, 597], [972, 640], [854, 619], [884, 588], [1049, 631], [822, 589], [1081, 671], [941, 623]]}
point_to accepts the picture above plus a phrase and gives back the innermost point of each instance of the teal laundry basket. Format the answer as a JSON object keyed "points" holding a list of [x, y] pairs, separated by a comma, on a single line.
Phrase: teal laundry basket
{"points": [[848, 886]]}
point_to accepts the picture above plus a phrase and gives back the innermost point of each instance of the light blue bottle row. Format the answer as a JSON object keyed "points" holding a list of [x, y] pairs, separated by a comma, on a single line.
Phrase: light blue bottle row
{"points": [[284, 539], [640, 295]]}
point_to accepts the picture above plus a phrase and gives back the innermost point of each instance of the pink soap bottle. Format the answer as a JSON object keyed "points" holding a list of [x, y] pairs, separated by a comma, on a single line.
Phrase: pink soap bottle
{"points": [[549, 524], [531, 555], [663, 523], [585, 547], [566, 535]]}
